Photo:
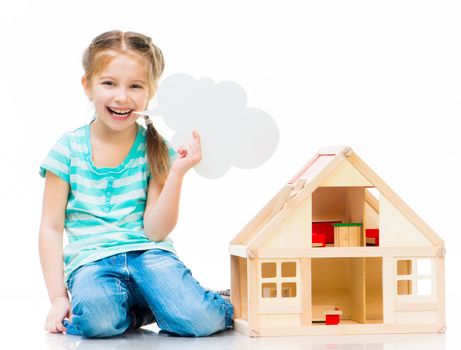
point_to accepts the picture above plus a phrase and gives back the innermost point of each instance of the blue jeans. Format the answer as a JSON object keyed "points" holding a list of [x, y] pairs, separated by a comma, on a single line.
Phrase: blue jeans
{"points": [[128, 290]]}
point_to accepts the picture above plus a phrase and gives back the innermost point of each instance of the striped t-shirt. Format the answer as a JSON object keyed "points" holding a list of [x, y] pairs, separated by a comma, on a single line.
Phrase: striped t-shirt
{"points": [[105, 206]]}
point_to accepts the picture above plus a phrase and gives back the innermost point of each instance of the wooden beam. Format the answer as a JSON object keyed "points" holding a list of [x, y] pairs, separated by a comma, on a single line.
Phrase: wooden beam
{"points": [[346, 252], [357, 276], [306, 292], [350, 329], [282, 199], [334, 150], [389, 289], [235, 285], [371, 200], [238, 250], [253, 291], [440, 290], [279, 309], [242, 326], [415, 306]]}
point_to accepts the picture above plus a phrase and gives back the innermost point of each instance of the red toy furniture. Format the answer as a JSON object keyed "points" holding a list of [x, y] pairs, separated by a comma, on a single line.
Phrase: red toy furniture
{"points": [[319, 239], [332, 316], [372, 236], [323, 233]]}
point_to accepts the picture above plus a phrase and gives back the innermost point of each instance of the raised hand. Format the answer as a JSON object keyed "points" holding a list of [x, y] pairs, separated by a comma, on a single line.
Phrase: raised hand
{"points": [[189, 155]]}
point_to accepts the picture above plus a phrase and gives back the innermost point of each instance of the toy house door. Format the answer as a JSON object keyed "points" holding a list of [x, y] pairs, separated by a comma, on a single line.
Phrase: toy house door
{"points": [[354, 285]]}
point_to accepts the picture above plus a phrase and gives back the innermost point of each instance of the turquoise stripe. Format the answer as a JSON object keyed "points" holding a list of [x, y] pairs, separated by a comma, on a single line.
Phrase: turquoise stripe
{"points": [[97, 192], [138, 224], [108, 239], [129, 188], [59, 157], [90, 225], [132, 203], [89, 174], [89, 207], [85, 223], [172, 153], [100, 192], [102, 239], [110, 220]]}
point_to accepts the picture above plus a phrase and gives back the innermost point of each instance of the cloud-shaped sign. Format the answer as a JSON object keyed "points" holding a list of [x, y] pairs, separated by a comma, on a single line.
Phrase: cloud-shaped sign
{"points": [[232, 134]]}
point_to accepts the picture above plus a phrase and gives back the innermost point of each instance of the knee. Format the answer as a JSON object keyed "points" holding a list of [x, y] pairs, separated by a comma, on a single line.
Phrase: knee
{"points": [[101, 328], [207, 326], [204, 322], [94, 321], [214, 319]]}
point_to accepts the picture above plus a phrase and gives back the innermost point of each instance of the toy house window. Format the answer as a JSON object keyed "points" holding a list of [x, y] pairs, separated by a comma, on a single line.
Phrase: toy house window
{"points": [[404, 285], [269, 290], [288, 269], [268, 270], [414, 277], [279, 279], [289, 290]]}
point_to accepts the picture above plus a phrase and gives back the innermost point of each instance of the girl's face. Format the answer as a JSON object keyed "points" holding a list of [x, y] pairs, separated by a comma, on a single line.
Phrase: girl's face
{"points": [[119, 90]]}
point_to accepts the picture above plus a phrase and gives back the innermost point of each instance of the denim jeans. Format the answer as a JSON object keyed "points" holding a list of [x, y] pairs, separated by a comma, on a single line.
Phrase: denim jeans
{"points": [[121, 292]]}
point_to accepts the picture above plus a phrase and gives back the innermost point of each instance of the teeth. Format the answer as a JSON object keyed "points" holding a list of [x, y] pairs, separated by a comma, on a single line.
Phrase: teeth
{"points": [[121, 111]]}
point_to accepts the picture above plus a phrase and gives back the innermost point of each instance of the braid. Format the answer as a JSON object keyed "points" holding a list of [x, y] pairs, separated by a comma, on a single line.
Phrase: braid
{"points": [[157, 153]]}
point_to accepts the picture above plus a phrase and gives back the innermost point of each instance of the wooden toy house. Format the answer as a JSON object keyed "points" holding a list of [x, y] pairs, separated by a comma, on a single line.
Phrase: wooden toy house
{"points": [[337, 241]]}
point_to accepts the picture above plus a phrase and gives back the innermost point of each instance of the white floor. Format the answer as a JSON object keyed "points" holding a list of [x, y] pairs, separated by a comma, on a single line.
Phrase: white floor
{"points": [[21, 327]]}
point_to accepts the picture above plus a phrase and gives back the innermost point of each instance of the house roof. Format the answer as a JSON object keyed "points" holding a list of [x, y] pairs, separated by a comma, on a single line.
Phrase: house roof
{"points": [[305, 182]]}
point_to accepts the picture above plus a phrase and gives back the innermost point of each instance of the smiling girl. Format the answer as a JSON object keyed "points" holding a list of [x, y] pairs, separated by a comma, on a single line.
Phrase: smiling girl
{"points": [[114, 186]]}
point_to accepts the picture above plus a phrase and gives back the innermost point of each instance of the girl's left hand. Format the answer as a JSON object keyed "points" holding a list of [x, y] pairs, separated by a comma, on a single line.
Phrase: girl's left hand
{"points": [[189, 155]]}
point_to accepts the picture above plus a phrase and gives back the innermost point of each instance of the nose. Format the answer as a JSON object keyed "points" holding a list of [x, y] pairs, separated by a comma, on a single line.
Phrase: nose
{"points": [[122, 95]]}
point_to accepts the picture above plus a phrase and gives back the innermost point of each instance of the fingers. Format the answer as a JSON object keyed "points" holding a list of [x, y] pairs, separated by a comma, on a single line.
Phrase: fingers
{"points": [[197, 143], [55, 325], [60, 327], [51, 326], [192, 149], [197, 140], [196, 136], [182, 151], [189, 154]]}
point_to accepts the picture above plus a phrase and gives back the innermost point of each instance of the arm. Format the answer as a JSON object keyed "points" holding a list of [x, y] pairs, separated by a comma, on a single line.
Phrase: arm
{"points": [[162, 206], [51, 250], [161, 214]]}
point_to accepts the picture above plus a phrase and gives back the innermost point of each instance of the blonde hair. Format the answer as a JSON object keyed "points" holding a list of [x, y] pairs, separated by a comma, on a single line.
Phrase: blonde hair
{"points": [[100, 53]]}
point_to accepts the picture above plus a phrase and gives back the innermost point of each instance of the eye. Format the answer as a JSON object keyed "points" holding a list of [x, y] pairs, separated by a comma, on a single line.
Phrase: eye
{"points": [[110, 83], [136, 86]]}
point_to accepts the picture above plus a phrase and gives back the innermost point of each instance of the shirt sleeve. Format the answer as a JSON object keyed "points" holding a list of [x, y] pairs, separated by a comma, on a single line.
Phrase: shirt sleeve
{"points": [[58, 159]]}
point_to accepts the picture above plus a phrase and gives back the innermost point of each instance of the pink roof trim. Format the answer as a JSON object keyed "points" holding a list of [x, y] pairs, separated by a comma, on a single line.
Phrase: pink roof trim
{"points": [[313, 168]]}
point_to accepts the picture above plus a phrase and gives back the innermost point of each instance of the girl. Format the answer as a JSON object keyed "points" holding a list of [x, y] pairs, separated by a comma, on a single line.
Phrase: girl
{"points": [[115, 187]]}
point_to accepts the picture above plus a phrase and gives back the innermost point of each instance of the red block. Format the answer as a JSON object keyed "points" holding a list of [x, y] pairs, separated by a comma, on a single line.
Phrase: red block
{"points": [[332, 319], [319, 238], [325, 228], [374, 234], [332, 316]]}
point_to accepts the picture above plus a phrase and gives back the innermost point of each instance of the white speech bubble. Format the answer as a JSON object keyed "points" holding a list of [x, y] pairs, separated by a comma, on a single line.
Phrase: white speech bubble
{"points": [[232, 134]]}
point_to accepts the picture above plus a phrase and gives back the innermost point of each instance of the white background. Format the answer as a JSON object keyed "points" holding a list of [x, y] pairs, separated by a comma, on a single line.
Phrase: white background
{"points": [[383, 77]]}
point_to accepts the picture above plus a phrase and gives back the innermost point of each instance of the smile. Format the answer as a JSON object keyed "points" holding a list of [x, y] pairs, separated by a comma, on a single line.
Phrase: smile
{"points": [[119, 114]]}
